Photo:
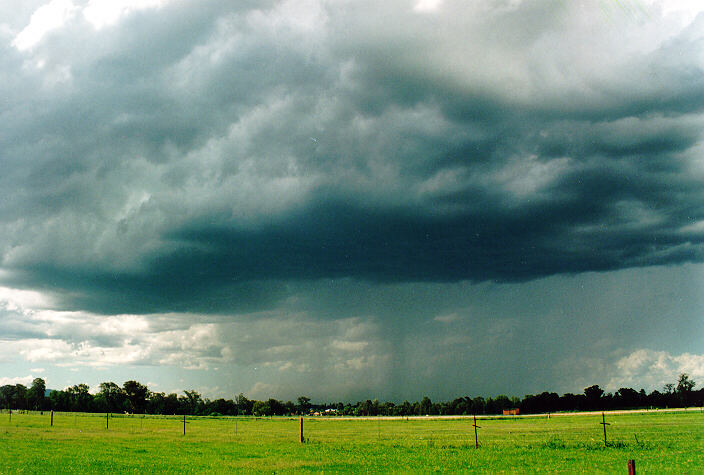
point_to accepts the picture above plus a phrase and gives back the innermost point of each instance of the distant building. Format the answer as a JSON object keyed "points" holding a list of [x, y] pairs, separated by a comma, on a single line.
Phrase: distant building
{"points": [[511, 412]]}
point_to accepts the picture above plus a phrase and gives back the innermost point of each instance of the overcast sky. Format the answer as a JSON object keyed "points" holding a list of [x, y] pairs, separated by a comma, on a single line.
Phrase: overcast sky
{"points": [[352, 199]]}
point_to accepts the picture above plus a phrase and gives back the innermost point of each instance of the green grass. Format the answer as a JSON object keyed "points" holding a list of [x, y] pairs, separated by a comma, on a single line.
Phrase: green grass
{"points": [[659, 442]]}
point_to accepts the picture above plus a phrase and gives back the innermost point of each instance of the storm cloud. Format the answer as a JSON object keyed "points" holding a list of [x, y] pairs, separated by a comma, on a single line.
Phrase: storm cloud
{"points": [[222, 159]]}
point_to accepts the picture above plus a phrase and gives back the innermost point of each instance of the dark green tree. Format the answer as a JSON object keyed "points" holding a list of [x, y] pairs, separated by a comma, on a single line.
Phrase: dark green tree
{"points": [[156, 403], [60, 401], [80, 400], [7, 393], [426, 406], [244, 405], [684, 390], [136, 394], [36, 394], [303, 404], [171, 405], [593, 395], [192, 402], [261, 408], [405, 409], [277, 408], [113, 397], [685, 384], [222, 406], [627, 397], [21, 397]]}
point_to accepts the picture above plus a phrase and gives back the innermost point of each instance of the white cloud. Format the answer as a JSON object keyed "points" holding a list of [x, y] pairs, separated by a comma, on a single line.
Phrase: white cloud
{"points": [[57, 13], [684, 10], [285, 343], [24, 380], [102, 13], [354, 346], [696, 227], [262, 390], [447, 318], [427, 5], [45, 19], [653, 369], [18, 300]]}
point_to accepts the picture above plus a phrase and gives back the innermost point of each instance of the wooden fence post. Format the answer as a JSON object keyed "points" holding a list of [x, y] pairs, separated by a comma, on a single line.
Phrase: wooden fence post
{"points": [[476, 438], [52, 418], [301, 434], [604, 423], [631, 467]]}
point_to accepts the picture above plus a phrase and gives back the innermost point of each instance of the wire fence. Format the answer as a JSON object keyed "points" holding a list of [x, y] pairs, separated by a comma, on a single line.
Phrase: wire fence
{"points": [[478, 431]]}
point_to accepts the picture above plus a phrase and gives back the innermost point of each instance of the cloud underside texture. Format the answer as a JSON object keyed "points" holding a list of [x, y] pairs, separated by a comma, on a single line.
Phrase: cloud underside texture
{"points": [[202, 157]]}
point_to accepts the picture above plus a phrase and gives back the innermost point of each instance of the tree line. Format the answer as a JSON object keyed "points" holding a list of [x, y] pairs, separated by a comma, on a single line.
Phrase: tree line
{"points": [[136, 398]]}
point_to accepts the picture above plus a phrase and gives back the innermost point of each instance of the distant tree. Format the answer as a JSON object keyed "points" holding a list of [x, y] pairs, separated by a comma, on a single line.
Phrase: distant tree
{"points": [[113, 397], [289, 407], [36, 394], [478, 405], [543, 402], [462, 405], [7, 395], [685, 384], [60, 401], [387, 409], [357, 409], [244, 405], [171, 405], [405, 409], [136, 394], [425, 407], [502, 402], [135, 397], [261, 408], [192, 402], [515, 401], [573, 402], [303, 404], [156, 403], [627, 397], [367, 408], [277, 408], [80, 399], [222, 406], [593, 395], [684, 390], [21, 397]]}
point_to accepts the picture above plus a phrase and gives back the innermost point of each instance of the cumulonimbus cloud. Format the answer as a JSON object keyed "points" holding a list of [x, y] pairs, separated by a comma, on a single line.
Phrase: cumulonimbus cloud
{"points": [[198, 157]]}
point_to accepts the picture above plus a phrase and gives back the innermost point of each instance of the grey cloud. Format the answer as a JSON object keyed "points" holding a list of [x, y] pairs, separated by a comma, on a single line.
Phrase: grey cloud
{"points": [[14, 325], [203, 158], [349, 339]]}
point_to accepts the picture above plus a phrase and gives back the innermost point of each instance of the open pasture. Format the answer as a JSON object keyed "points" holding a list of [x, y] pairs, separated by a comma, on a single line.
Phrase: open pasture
{"points": [[80, 443]]}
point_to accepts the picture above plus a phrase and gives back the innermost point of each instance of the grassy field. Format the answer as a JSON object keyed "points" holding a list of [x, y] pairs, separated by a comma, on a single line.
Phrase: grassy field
{"points": [[80, 443]]}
